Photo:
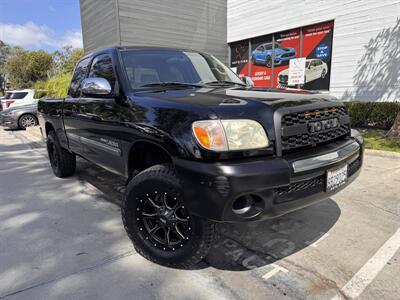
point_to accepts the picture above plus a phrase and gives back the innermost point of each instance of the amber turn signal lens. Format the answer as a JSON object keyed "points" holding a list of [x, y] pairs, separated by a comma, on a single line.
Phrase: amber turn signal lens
{"points": [[202, 137], [210, 135]]}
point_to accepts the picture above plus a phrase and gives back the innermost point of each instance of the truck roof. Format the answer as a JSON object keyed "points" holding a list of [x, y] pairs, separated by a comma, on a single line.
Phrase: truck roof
{"points": [[137, 47]]}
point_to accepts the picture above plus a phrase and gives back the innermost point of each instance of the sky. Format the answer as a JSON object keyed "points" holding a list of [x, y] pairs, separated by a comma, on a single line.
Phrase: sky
{"points": [[40, 24]]}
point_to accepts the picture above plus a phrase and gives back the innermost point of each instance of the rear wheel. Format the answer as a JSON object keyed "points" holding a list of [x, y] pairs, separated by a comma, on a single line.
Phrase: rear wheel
{"points": [[159, 224], [62, 162], [27, 120], [323, 73]]}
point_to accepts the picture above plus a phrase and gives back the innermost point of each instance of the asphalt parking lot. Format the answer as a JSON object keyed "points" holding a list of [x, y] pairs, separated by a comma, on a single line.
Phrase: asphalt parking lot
{"points": [[63, 239]]}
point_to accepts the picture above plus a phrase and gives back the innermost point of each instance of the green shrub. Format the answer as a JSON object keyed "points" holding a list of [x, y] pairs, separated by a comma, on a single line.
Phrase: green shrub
{"points": [[380, 115], [55, 87]]}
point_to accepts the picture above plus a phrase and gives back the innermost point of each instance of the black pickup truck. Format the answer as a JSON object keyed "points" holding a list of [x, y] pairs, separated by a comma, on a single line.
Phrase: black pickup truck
{"points": [[197, 145]]}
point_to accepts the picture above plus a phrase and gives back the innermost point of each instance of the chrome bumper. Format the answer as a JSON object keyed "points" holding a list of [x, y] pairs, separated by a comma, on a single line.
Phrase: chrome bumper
{"points": [[327, 159]]}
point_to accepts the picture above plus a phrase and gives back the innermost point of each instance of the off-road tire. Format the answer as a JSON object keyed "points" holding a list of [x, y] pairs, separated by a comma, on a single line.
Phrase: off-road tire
{"points": [[62, 162], [162, 179]]}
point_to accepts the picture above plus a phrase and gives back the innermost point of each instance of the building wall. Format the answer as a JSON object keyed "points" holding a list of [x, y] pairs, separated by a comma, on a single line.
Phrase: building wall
{"points": [[366, 49], [99, 24], [195, 24]]}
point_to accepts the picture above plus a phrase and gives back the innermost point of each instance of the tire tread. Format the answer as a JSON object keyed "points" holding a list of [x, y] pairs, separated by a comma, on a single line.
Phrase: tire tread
{"points": [[167, 172]]}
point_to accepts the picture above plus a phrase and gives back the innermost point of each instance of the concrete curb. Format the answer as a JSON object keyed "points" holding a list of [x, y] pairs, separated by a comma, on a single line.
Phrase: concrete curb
{"points": [[382, 153]]}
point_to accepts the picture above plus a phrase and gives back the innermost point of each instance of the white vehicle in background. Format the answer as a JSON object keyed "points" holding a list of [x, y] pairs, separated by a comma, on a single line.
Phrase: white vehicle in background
{"points": [[315, 69], [17, 98]]}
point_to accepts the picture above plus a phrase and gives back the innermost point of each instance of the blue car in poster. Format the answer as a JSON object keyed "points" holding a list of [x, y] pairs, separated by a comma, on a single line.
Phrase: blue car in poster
{"points": [[262, 55]]}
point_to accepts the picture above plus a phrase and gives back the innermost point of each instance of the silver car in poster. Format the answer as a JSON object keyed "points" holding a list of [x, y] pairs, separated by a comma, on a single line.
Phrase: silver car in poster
{"points": [[315, 69], [19, 117]]}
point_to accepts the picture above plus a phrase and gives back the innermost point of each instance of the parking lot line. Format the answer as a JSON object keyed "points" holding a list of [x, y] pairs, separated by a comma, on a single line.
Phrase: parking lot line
{"points": [[371, 269], [276, 269]]}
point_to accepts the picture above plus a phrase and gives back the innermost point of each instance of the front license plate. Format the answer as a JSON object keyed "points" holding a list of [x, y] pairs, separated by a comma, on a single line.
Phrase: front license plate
{"points": [[336, 178]]}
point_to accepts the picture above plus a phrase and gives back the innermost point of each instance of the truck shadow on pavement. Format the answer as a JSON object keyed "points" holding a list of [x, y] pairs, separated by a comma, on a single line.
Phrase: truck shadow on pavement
{"points": [[244, 246]]}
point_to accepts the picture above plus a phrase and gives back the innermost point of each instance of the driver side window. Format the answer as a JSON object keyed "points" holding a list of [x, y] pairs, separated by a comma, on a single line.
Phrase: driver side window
{"points": [[79, 74]]}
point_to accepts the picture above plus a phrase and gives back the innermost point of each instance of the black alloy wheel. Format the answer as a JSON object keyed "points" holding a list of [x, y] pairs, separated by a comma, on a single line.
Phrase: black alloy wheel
{"points": [[62, 161], [53, 157], [164, 220], [158, 222]]}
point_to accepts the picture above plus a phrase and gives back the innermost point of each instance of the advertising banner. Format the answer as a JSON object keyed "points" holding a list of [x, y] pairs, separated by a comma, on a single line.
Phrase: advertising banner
{"points": [[270, 56], [287, 47], [317, 48], [261, 61], [240, 57]]}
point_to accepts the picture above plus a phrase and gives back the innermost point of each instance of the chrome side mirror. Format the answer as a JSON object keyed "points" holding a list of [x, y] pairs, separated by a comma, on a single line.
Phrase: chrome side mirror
{"points": [[247, 80], [96, 86]]}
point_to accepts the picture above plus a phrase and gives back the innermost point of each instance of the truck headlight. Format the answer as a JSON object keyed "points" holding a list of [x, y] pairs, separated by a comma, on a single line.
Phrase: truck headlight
{"points": [[227, 135]]}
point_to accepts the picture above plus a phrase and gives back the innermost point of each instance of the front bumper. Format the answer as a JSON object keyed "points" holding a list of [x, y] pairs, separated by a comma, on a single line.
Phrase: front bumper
{"points": [[8, 121], [279, 60], [283, 184]]}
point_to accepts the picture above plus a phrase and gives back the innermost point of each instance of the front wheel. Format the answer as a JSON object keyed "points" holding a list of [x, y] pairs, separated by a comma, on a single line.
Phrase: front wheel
{"points": [[158, 222]]}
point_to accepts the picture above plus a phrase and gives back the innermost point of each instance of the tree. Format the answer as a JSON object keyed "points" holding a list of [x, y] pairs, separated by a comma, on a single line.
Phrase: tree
{"points": [[4, 53], [66, 59], [60, 74], [27, 67]]}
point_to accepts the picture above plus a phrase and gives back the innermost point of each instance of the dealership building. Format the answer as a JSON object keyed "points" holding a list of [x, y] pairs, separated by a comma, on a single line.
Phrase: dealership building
{"points": [[349, 48]]}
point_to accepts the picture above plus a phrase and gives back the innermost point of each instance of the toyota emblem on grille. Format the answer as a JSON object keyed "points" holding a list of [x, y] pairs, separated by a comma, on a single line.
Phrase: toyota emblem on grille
{"points": [[323, 125]]}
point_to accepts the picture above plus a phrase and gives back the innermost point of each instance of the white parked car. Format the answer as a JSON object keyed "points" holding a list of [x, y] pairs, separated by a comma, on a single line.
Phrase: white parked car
{"points": [[315, 69], [17, 98]]}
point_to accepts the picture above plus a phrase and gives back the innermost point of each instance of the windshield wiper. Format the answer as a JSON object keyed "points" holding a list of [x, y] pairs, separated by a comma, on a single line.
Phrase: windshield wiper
{"points": [[167, 84], [224, 82]]}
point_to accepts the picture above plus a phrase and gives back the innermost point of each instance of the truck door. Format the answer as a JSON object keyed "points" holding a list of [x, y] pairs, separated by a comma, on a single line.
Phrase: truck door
{"points": [[72, 109], [100, 120]]}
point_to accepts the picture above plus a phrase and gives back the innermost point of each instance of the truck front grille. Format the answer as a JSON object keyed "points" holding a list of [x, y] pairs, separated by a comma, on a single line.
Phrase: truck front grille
{"points": [[309, 128], [301, 186]]}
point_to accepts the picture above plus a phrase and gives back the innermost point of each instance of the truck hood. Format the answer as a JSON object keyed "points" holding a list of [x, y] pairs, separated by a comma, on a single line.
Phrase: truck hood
{"points": [[169, 107], [219, 99], [234, 103]]}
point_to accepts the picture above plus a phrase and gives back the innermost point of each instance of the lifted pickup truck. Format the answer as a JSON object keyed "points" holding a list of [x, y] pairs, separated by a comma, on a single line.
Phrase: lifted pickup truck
{"points": [[197, 145]]}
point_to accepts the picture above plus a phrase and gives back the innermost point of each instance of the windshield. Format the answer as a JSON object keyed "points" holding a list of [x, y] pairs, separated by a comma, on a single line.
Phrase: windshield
{"points": [[146, 67]]}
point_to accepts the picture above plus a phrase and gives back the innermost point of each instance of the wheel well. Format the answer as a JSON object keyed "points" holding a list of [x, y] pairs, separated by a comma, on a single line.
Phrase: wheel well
{"points": [[144, 155], [48, 128]]}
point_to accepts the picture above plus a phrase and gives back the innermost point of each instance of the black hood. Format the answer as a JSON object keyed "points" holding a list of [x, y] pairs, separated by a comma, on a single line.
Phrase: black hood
{"points": [[221, 100]]}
